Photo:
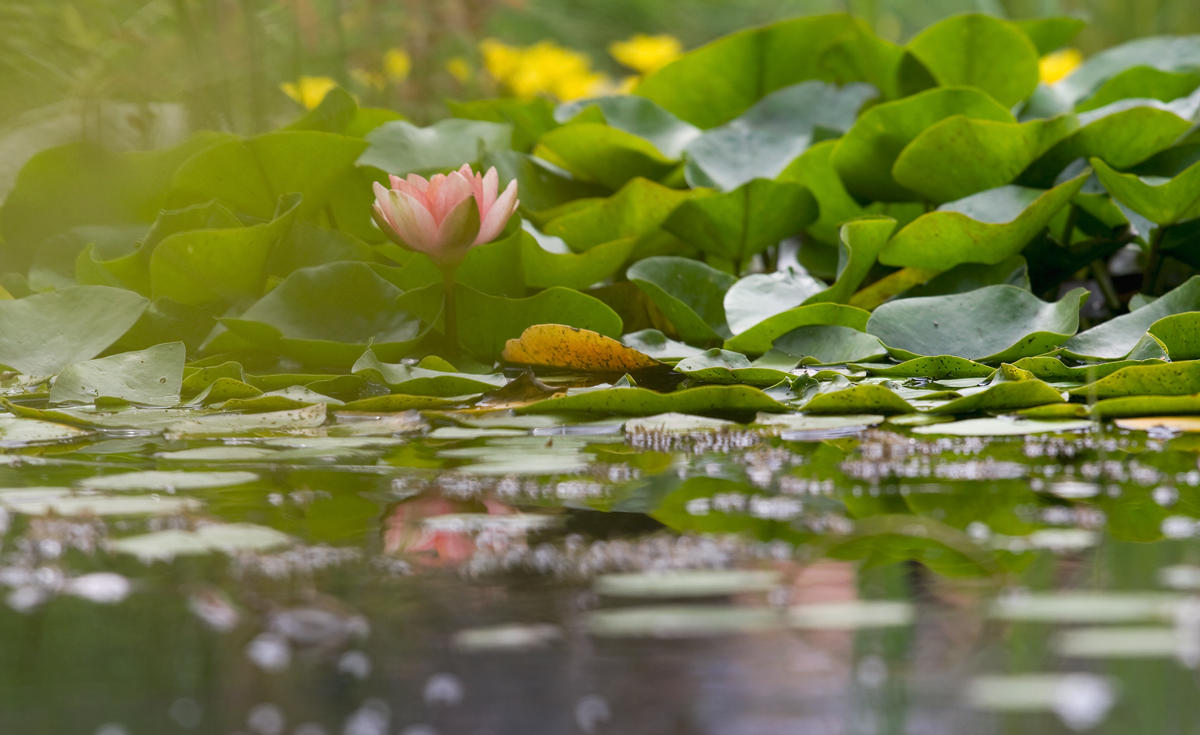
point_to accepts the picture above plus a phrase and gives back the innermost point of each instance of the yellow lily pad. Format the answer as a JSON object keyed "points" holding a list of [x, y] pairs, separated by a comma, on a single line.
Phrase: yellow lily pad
{"points": [[570, 348]]}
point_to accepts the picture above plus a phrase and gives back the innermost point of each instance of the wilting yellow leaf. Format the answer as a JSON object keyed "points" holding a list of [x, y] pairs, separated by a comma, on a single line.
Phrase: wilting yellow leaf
{"points": [[555, 345]]}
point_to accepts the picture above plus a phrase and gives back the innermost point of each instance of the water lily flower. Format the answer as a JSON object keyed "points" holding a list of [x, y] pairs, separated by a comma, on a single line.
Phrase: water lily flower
{"points": [[308, 91], [646, 54], [444, 217]]}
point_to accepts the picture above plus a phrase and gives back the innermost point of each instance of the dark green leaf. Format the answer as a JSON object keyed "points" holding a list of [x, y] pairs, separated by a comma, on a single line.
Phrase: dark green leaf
{"points": [[688, 292]]}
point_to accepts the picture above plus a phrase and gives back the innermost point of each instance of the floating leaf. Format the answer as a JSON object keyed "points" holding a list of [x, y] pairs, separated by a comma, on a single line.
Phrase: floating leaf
{"points": [[1115, 338], [152, 377], [761, 337], [167, 481], [43, 333], [829, 345], [1180, 334], [529, 119], [690, 294], [1162, 201], [717, 82], [418, 381], [988, 227], [22, 431], [859, 243], [959, 156], [61, 502], [1051, 34], [597, 153], [655, 344], [979, 51], [1141, 82], [544, 269], [864, 156], [764, 139], [1003, 396], [1017, 324], [296, 319], [1168, 379], [638, 116], [219, 424], [814, 170], [724, 367], [685, 583], [637, 210], [858, 399], [495, 320], [740, 224], [1164, 53], [761, 296], [558, 346], [1003, 427], [402, 148], [706, 400], [938, 367], [225, 537]]}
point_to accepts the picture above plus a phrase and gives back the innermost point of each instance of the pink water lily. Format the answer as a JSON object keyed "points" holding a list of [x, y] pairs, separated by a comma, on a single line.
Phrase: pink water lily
{"points": [[447, 215]]}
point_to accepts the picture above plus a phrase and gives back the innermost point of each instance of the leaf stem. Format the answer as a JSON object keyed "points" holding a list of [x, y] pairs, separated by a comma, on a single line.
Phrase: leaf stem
{"points": [[1104, 281], [450, 312], [1069, 228], [1150, 275]]}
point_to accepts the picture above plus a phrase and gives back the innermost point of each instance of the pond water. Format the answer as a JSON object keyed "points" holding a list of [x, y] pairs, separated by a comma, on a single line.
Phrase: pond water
{"points": [[486, 576]]}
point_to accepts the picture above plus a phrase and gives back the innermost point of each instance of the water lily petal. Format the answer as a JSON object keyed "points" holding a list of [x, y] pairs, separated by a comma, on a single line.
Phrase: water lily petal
{"points": [[450, 191], [413, 223], [497, 216], [457, 233]]}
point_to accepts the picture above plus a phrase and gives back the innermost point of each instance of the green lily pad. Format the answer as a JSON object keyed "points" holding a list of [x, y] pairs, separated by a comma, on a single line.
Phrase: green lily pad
{"points": [[830, 345], [638, 116], [1164, 53], [969, 276], [1017, 324], [999, 426], [61, 502], [1117, 337], [1162, 201], [859, 243], [763, 140], [638, 210], [204, 266], [715, 83], [43, 333], [1051, 34], [858, 399], [223, 537], [761, 296], [167, 481], [727, 368], [689, 293], [761, 337], [295, 317], [656, 344], [865, 155], [545, 269], [396, 402], [1141, 82], [1168, 379], [1052, 368], [1003, 396], [221, 424], [937, 367], [22, 431], [494, 320], [529, 118], [988, 227], [418, 381], [960, 156], [402, 148], [1180, 334], [152, 377], [979, 51], [706, 400], [814, 170], [597, 153], [742, 223], [1133, 406]]}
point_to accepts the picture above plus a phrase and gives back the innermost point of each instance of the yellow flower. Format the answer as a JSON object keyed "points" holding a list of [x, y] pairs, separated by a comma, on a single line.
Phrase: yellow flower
{"points": [[460, 69], [372, 79], [308, 91], [646, 53], [626, 85], [396, 64], [1057, 65], [542, 69]]}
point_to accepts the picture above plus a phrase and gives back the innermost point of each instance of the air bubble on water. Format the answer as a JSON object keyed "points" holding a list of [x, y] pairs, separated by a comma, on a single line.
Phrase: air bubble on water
{"points": [[1178, 527], [266, 719], [591, 711], [370, 719], [111, 728], [1082, 701], [355, 663], [872, 672], [25, 599], [185, 712], [103, 587], [1165, 495], [418, 730], [270, 652], [444, 689]]}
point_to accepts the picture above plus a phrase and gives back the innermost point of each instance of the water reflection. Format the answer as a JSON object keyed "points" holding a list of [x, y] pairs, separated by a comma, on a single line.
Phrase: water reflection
{"points": [[501, 575]]}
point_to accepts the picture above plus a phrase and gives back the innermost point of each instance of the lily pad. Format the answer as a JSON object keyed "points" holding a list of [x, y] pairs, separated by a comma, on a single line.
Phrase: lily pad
{"points": [[655, 344], [830, 345], [544, 269], [223, 537], [705, 400], [690, 294], [219, 424], [152, 377], [1115, 338], [724, 367], [495, 320], [858, 399], [1017, 324], [43, 333], [988, 227], [860, 241], [865, 155], [638, 116], [979, 51], [67, 504], [936, 367], [758, 297], [595, 152], [167, 481], [1162, 201], [558, 346], [16, 432], [760, 338], [763, 140], [1003, 396], [402, 148], [638, 210], [418, 381], [1003, 427], [685, 583], [1168, 379]]}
